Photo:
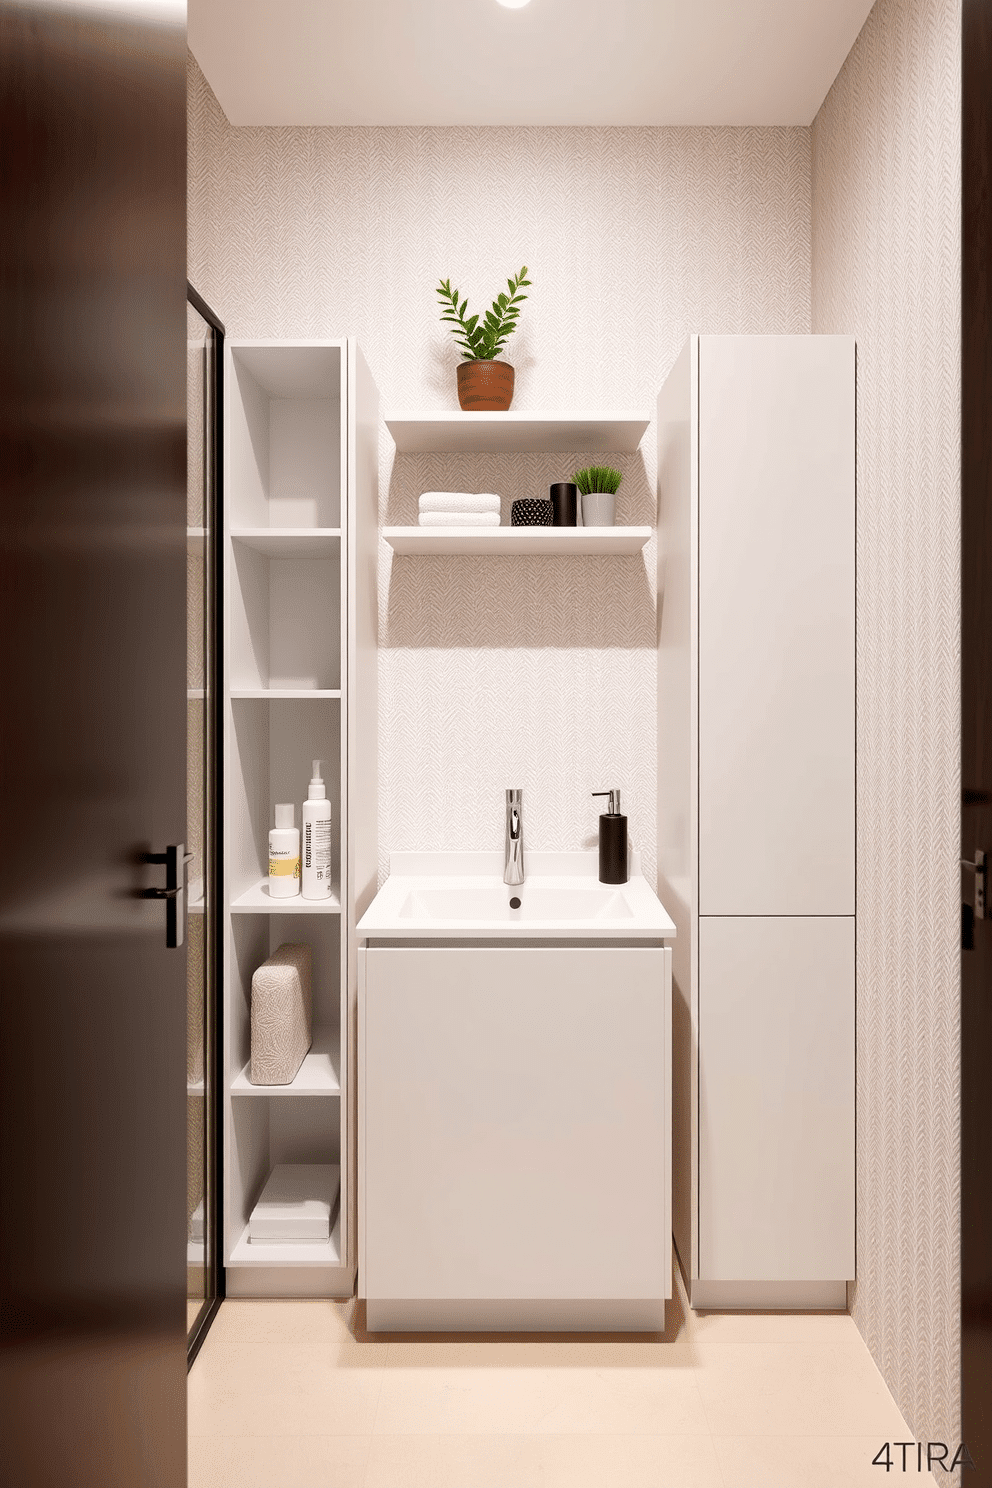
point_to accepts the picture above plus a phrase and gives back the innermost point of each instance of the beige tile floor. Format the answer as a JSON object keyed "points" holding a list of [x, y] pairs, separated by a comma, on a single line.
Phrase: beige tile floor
{"points": [[297, 1395]]}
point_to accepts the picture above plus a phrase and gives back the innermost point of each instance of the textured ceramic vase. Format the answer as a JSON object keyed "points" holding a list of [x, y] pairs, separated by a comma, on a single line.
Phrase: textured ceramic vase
{"points": [[281, 1015], [599, 509], [485, 387]]}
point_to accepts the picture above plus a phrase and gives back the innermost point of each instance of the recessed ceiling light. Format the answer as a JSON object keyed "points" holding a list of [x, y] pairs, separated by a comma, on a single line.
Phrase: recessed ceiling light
{"points": [[514, 4]]}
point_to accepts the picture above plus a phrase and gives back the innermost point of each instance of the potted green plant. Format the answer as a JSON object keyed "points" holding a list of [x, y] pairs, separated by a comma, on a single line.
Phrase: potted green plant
{"points": [[598, 485], [485, 384]]}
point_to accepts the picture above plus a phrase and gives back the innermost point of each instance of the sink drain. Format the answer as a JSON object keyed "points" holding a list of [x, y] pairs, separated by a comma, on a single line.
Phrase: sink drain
{"points": [[514, 902]]}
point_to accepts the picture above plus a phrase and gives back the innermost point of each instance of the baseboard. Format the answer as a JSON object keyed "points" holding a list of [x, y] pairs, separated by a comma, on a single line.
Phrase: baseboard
{"points": [[569, 1315], [768, 1296], [290, 1281]]}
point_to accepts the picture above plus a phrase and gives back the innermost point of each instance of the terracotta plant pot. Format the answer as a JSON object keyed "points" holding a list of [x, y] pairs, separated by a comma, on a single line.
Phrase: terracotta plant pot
{"points": [[485, 387]]}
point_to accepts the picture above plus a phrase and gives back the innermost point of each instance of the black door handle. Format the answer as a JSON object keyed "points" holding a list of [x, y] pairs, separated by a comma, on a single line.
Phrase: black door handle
{"points": [[978, 867], [175, 859]]}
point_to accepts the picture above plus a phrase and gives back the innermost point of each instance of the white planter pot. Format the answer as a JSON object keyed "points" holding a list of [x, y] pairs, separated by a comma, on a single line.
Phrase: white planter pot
{"points": [[599, 509]]}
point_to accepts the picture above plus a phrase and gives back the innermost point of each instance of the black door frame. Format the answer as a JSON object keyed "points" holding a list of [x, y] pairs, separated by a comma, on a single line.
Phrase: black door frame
{"points": [[214, 1135], [976, 741]]}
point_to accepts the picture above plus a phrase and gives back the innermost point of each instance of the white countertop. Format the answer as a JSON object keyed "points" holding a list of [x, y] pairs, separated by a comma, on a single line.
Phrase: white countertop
{"points": [[462, 896]]}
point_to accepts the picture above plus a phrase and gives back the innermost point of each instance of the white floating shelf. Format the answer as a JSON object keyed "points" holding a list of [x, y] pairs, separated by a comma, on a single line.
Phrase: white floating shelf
{"points": [[317, 1075], [256, 900], [289, 1252], [520, 433], [508, 542], [290, 542], [285, 692]]}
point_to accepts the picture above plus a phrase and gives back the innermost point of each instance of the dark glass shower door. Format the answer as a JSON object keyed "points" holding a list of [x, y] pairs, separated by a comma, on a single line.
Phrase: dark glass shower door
{"points": [[204, 343]]}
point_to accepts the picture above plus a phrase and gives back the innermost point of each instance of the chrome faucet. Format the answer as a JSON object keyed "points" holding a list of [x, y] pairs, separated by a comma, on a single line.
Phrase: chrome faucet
{"points": [[513, 856]]}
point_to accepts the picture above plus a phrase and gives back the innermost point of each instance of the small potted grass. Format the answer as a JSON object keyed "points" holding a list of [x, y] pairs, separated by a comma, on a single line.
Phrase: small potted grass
{"points": [[598, 485]]}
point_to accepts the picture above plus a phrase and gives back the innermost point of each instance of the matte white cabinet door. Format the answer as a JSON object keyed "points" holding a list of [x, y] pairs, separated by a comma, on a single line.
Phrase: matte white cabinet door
{"points": [[776, 1099], [776, 625], [514, 1133]]}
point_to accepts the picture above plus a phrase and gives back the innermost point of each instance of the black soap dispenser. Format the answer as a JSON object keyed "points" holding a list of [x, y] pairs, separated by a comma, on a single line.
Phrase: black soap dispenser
{"points": [[612, 841]]}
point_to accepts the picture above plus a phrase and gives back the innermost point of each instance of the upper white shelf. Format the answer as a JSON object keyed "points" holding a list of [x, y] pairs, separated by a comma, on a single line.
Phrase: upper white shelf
{"points": [[317, 1075], [520, 433], [256, 900], [290, 542], [507, 542], [285, 692]]}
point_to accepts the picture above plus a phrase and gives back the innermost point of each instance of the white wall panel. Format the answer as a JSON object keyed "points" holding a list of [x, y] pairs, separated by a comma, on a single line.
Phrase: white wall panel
{"points": [[776, 625], [776, 1099]]}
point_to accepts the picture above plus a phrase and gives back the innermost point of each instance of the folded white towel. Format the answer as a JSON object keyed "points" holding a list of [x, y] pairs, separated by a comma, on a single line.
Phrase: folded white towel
{"points": [[459, 519], [461, 501]]}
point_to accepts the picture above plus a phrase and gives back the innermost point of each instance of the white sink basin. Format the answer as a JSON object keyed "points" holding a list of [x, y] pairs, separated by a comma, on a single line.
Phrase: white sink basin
{"points": [[536, 900], [463, 896]]}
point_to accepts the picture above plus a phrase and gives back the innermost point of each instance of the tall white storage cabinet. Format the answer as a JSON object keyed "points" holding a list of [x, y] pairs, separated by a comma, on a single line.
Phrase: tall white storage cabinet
{"points": [[301, 432], [756, 727]]}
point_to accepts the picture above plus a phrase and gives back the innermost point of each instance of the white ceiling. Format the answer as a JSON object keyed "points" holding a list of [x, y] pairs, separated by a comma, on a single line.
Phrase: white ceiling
{"points": [[553, 62]]}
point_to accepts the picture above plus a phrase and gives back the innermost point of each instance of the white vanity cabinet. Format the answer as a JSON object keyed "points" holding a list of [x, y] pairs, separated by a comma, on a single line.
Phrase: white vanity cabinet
{"points": [[756, 729], [514, 1136]]}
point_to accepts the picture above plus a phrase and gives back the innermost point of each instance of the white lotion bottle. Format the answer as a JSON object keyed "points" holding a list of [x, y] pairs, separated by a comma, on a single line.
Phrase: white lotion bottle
{"points": [[316, 839], [284, 855]]}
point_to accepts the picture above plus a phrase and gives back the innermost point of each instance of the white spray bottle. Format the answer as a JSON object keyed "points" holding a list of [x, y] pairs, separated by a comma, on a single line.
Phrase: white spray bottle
{"points": [[316, 839]]}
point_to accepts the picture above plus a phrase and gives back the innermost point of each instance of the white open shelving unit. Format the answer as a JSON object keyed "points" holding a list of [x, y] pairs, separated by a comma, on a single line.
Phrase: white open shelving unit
{"points": [[300, 684], [517, 433]]}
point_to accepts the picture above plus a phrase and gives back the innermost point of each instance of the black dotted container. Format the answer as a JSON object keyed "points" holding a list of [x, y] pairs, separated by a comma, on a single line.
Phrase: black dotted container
{"points": [[531, 514]]}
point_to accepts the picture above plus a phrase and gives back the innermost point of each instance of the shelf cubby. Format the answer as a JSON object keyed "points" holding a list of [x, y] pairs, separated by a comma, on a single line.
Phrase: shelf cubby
{"points": [[304, 1129], [284, 621], [285, 445], [273, 743], [253, 938]]}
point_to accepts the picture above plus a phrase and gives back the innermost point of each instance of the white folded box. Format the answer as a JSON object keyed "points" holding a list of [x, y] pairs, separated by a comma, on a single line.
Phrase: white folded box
{"points": [[296, 1203], [459, 519], [459, 501]]}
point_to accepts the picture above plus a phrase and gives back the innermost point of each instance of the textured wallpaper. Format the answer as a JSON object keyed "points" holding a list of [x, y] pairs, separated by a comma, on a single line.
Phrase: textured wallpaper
{"points": [[886, 267], [537, 673], [540, 673]]}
